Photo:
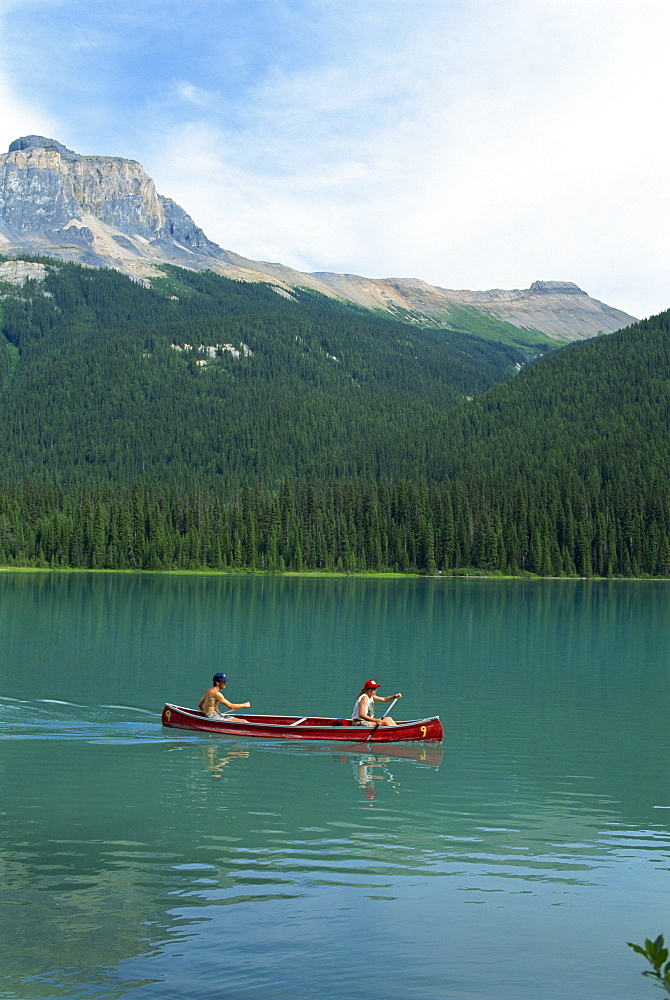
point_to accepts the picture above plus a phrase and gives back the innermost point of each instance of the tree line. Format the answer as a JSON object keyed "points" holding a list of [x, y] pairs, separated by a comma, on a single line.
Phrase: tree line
{"points": [[348, 527]]}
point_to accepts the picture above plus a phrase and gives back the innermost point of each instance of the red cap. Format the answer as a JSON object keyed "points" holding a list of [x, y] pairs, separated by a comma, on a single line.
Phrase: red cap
{"points": [[371, 684]]}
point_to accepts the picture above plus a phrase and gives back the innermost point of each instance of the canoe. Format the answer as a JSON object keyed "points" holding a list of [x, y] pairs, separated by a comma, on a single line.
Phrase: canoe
{"points": [[296, 727]]}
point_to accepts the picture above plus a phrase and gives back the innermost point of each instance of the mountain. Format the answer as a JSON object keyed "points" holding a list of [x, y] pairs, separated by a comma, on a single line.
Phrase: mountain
{"points": [[593, 413], [200, 376], [563, 470], [105, 212], [230, 414]]}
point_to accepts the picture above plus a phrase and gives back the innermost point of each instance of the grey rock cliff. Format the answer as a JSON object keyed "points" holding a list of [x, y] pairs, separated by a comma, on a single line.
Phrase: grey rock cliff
{"points": [[105, 211], [52, 195]]}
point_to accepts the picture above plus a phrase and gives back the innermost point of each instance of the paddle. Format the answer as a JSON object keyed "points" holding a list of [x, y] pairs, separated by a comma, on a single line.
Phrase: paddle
{"points": [[383, 716], [389, 708]]}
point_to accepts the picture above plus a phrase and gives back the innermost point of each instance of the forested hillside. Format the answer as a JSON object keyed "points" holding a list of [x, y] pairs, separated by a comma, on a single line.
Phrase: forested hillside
{"points": [[595, 411], [297, 434], [204, 377]]}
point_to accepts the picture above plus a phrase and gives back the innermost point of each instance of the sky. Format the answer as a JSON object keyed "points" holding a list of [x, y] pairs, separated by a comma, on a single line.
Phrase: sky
{"points": [[470, 143]]}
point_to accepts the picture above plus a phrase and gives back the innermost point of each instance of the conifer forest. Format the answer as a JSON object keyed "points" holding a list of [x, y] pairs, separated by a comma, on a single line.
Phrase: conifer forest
{"points": [[203, 423]]}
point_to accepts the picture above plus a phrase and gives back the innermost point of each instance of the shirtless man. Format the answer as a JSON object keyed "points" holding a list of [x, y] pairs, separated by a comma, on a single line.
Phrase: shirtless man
{"points": [[212, 698]]}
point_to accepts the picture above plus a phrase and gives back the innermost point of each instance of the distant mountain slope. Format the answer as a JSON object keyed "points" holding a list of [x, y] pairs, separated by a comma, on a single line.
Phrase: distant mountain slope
{"points": [[597, 412], [106, 212], [565, 470], [201, 376], [558, 309]]}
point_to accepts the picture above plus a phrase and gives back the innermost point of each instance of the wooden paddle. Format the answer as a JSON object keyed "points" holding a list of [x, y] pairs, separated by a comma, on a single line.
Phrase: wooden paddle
{"points": [[383, 716]]}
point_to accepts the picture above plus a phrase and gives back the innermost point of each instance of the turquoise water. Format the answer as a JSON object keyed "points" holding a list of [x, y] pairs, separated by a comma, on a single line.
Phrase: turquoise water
{"points": [[515, 860]]}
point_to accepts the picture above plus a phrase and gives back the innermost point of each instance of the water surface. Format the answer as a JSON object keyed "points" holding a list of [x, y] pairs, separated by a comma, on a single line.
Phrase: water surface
{"points": [[515, 860]]}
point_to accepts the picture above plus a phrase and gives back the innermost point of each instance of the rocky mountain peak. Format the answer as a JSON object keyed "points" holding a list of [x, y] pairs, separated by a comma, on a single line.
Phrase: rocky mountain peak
{"points": [[556, 288], [100, 210], [40, 142], [106, 212]]}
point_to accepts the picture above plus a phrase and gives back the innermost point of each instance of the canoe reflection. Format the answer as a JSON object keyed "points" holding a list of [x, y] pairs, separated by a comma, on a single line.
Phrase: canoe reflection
{"points": [[366, 764], [429, 754]]}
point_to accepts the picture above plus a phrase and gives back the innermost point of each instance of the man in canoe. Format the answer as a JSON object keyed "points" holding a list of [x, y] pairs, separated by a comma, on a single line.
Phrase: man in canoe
{"points": [[212, 698], [364, 709]]}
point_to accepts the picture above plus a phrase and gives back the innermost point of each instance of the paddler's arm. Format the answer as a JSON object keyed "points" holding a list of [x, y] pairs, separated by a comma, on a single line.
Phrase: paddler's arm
{"points": [[229, 704], [390, 697]]}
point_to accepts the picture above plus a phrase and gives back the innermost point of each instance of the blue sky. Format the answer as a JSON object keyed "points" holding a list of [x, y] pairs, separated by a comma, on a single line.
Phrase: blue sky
{"points": [[472, 144]]}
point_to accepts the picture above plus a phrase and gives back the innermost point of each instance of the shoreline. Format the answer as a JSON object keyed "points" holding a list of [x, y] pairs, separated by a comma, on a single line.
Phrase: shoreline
{"points": [[334, 575]]}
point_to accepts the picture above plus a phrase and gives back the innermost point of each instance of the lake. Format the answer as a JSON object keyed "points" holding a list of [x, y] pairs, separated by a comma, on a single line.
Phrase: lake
{"points": [[512, 861]]}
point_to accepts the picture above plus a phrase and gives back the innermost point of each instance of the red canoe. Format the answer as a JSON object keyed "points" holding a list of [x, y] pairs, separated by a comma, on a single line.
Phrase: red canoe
{"points": [[295, 727]]}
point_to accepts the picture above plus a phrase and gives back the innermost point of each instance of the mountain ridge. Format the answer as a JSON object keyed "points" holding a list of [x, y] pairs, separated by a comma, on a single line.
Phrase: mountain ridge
{"points": [[201, 376], [106, 212]]}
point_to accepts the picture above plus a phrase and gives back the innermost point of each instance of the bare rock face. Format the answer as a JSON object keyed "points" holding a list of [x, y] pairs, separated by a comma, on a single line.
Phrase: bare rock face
{"points": [[559, 309], [105, 211], [17, 272], [555, 288], [52, 194]]}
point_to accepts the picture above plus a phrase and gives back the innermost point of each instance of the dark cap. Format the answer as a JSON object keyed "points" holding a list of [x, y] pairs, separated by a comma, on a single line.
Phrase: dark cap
{"points": [[219, 679]]}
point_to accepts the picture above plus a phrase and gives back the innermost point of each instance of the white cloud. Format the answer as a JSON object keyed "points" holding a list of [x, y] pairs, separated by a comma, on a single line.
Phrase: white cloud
{"points": [[189, 94], [19, 117], [523, 142], [466, 143]]}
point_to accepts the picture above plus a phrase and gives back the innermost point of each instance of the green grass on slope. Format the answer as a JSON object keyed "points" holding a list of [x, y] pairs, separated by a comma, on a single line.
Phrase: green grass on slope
{"points": [[471, 320]]}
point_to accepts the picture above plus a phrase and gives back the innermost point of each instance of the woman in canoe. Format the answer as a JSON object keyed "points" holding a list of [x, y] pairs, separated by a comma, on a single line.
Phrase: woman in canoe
{"points": [[364, 709]]}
